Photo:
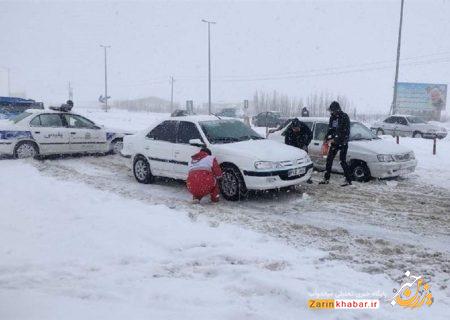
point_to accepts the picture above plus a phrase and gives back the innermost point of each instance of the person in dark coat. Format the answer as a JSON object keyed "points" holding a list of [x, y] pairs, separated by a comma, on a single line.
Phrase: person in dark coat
{"points": [[298, 135], [338, 135], [305, 112]]}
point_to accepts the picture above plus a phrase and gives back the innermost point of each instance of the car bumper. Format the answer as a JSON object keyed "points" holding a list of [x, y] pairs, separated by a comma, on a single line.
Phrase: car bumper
{"points": [[6, 148], [391, 169], [265, 180], [439, 135]]}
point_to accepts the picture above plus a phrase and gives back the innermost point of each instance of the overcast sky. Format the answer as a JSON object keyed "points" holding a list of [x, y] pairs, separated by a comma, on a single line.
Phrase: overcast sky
{"points": [[341, 47]]}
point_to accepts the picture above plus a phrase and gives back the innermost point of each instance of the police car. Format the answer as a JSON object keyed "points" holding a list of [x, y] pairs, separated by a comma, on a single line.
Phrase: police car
{"points": [[58, 131]]}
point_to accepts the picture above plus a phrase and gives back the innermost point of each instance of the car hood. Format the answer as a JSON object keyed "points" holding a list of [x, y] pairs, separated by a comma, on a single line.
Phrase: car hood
{"points": [[260, 150], [378, 146]]}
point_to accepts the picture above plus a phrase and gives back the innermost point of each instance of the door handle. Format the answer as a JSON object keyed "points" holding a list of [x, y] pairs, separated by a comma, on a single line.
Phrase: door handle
{"points": [[177, 152], [316, 143], [146, 148], [73, 133], [37, 132]]}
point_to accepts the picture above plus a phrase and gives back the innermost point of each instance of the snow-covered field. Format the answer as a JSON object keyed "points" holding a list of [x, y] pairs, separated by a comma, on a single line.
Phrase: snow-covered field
{"points": [[80, 239]]}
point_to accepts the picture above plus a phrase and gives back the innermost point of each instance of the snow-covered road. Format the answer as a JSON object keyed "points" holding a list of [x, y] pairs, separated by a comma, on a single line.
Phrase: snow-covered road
{"points": [[376, 227]]}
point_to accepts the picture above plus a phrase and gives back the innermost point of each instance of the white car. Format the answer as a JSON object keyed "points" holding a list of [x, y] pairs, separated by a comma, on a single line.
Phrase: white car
{"points": [[368, 155], [248, 161], [44, 132], [408, 126]]}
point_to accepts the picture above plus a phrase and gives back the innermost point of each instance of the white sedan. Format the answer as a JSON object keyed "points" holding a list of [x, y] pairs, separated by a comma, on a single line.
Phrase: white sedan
{"points": [[248, 161], [368, 155], [44, 132]]}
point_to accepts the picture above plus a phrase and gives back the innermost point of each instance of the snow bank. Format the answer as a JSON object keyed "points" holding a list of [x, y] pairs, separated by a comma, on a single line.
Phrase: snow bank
{"points": [[68, 251]]}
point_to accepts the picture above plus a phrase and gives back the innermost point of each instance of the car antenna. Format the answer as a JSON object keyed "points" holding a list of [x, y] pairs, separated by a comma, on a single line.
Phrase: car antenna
{"points": [[215, 115]]}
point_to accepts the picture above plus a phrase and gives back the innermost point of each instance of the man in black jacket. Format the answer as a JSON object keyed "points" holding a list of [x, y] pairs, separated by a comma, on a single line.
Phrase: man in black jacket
{"points": [[338, 134], [298, 135]]}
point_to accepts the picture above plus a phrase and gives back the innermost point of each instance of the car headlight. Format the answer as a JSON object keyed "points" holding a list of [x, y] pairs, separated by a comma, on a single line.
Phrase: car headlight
{"points": [[385, 158], [264, 165]]}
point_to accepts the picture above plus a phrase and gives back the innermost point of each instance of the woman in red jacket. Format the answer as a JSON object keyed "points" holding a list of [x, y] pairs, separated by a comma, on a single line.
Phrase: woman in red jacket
{"points": [[204, 172]]}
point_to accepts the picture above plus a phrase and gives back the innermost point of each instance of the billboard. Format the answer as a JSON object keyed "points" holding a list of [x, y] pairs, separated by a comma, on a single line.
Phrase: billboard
{"points": [[422, 99]]}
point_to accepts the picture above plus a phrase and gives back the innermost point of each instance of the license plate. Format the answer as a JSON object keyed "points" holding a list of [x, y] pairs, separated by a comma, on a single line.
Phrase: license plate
{"points": [[296, 172], [405, 171]]}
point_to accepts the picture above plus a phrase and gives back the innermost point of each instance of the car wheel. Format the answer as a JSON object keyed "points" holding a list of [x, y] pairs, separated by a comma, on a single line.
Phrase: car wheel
{"points": [[26, 150], [417, 134], [380, 132], [116, 146], [232, 185], [360, 172], [141, 170]]}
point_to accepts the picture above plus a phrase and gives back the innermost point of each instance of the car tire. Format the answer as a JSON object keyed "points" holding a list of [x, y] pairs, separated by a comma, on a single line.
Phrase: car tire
{"points": [[417, 134], [142, 171], [360, 171], [116, 146], [232, 185], [380, 132], [26, 149]]}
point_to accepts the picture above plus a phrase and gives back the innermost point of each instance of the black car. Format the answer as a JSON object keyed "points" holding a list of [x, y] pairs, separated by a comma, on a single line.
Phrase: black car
{"points": [[269, 119]]}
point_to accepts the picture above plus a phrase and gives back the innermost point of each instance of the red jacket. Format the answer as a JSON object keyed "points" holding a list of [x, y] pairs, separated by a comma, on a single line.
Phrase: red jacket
{"points": [[205, 162]]}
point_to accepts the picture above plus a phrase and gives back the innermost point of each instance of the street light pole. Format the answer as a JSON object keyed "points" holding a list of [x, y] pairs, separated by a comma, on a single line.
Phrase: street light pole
{"points": [[106, 78], [394, 99], [209, 62], [171, 94]]}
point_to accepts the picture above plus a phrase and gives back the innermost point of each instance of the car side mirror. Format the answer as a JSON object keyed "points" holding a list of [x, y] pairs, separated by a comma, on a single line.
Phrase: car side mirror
{"points": [[196, 143]]}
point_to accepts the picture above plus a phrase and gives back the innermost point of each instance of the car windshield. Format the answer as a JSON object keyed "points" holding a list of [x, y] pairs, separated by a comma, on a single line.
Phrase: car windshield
{"points": [[358, 131], [20, 117], [415, 120], [227, 131]]}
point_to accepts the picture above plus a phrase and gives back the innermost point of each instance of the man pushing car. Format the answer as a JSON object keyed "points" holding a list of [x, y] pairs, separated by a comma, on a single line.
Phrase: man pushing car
{"points": [[204, 173]]}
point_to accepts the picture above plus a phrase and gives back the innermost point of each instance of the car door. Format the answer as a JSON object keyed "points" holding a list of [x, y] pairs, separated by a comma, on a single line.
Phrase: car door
{"points": [[159, 147], [401, 127], [182, 149], [85, 136], [388, 125], [315, 147], [49, 132]]}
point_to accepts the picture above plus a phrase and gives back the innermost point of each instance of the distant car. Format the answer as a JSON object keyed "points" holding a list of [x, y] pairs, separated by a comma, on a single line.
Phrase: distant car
{"points": [[248, 161], [269, 119], [368, 155], [408, 126], [45, 132], [230, 113]]}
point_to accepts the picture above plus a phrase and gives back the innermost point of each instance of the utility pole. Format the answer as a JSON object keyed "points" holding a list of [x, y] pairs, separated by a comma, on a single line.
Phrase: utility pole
{"points": [[394, 99], [106, 78], [171, 93], [70, 89], [209, 62]]}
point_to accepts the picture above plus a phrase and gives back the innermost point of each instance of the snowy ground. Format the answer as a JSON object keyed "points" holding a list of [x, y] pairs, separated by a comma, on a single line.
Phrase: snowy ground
{"points": [[79, 238]]}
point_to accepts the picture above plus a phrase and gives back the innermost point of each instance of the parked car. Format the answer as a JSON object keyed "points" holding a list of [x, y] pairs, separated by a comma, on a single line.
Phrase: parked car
{"points": [[248, 161], [230, 113], [368, 155], [179, 113], [44, 132], [408, 126], [269, 119]]}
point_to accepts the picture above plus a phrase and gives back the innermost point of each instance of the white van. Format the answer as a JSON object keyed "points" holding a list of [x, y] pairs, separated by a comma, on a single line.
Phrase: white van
{"points": [[368, 155]]}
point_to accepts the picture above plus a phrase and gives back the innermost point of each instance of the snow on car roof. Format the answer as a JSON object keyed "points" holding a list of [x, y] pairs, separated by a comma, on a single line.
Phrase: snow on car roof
{"points": [[196, 118]]}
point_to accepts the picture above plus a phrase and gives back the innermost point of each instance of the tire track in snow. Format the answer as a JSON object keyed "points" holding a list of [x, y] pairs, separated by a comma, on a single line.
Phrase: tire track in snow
{"points": [[375, 227]]}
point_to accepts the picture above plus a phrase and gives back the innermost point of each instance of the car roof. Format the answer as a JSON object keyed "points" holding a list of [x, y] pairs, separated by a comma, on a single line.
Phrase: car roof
{"points": [[318, 119], [37, 111]]}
